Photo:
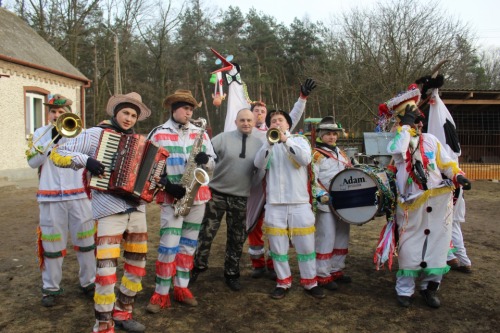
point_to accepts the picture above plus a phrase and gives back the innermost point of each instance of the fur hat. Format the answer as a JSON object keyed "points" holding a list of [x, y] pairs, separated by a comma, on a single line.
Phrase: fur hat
{"points": [[328, 124], [59, 101], [272, 113], [133, 98], [181, 95]]}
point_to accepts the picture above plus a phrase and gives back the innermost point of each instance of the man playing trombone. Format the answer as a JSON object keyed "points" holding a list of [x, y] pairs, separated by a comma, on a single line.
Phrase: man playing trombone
{"points": [[64, 208]]}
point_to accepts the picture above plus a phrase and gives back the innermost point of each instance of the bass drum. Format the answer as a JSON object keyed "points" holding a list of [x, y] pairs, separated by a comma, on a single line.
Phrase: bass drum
{"points": [[359, 194]]}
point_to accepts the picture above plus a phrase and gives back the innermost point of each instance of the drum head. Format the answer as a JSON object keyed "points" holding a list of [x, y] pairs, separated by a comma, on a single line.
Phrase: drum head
{"points": [[353, 196]]}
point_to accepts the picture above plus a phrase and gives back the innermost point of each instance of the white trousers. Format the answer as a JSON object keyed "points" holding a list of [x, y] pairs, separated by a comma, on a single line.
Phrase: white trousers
{"points": [[295, 223], [332, 242], [60, 220]]}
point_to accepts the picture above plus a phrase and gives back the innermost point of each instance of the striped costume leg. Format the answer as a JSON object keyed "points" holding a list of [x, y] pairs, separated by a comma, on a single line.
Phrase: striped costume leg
{"points": [[341, 248], [135, 248], [170, 234], [187, 246], [110, 231]]}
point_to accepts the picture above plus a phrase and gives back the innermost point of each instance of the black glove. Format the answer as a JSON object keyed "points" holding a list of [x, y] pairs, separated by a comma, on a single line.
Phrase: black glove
{"points": [[201, 158], [54, 134], [175, 190], [307, 87], [464, 182], [94, 166], [410, 115]]}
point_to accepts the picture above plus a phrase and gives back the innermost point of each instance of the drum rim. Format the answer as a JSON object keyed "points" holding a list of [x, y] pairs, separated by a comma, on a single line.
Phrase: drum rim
{"points": [[379, 203]]}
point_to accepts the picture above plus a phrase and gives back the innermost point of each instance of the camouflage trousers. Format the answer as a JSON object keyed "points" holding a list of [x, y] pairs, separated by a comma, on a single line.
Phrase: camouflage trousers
{"points": [[235, 209]]}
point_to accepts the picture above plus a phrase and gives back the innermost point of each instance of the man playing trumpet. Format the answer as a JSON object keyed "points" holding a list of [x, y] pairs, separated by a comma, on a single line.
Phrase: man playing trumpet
{"points": [[65, 210], [288, 212]]}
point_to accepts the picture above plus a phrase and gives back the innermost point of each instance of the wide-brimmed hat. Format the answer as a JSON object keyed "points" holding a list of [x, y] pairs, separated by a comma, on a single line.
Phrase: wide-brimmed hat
{"points": [[59, 101], [181, 95], [272, 113], [133, 98]]}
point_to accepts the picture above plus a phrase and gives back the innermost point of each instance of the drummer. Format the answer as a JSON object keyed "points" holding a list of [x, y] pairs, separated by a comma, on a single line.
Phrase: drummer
{"points": [[332, 234]]}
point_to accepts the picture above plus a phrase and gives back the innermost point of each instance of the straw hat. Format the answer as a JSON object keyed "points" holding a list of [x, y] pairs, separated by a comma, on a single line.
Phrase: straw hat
{"points": [[181, 95], [133, 98]]}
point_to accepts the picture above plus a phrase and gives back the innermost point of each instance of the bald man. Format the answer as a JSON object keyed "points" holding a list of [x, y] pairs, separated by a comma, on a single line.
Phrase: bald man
{"points": [[230, 186]]}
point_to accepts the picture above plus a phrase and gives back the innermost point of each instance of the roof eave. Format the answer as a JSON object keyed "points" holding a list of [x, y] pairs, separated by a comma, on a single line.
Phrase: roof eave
{"points": [[46, 69]]}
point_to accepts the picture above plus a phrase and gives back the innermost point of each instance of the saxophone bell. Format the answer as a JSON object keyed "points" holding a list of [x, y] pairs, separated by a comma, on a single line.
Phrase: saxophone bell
{"points": [[182, 207]]}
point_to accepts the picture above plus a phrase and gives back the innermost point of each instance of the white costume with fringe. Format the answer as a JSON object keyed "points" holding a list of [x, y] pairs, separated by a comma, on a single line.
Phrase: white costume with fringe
{"points": [[424, 217]]}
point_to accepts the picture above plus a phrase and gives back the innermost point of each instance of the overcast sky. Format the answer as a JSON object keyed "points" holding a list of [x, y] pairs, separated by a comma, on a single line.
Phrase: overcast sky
{"points": [[482, 15]]}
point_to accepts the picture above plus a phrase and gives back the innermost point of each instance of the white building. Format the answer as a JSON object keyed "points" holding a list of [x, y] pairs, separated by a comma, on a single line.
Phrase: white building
{"points": [[30, 70]]}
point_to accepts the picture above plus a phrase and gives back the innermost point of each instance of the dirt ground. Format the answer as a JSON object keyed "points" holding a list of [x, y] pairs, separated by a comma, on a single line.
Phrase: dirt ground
{"points": [[470, 302]]}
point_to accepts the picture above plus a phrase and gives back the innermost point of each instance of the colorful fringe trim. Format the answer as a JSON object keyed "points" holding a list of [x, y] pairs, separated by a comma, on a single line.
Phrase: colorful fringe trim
{"points": [[131, 285], [324, 256], [108, 253], [84, 248], [104, 299], [135, 247], [285, 281], [122, 315], [183, 275], [182, 293], [134, 270], [184, 261], [426, 271], [324, 280], [165, 268], [54, 255], [162, 300], [170, 231], [51, 237], [278, 257], [191, 226], [306, 257], [105, 280], [291, 232], [308, 282], [86, 234], [163, 282], [109, 240]]}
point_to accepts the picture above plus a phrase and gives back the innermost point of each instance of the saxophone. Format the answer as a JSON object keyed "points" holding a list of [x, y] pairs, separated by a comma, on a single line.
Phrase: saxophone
{"points": [[193, 176]]}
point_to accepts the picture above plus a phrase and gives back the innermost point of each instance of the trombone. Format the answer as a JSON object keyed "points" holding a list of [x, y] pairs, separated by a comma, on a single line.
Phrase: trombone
{"points": [[68, 125]]}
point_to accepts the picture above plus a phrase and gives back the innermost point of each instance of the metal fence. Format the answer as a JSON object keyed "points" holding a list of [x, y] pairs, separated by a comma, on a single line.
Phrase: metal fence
{"points": [[480, 158]]}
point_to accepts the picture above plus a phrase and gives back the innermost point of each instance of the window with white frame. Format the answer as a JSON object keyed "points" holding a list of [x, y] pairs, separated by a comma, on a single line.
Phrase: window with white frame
{"points": [[35, 111]]}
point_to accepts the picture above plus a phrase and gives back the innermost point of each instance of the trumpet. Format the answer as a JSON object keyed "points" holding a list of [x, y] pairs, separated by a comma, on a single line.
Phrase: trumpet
{"points": [[67, 125], [273, 135]]}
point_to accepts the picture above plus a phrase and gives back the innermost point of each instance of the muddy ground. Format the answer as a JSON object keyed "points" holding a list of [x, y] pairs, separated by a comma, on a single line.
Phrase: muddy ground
{"points": [[470, 302]]}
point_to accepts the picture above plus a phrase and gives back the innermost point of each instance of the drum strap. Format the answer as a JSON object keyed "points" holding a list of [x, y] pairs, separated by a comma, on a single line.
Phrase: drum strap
{"points": [[330, 155]]}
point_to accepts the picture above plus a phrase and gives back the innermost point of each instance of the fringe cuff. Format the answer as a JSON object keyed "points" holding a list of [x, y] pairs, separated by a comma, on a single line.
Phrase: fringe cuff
{"points": [[135, 237], [108, 253], [184, 261], [278, 257], [162, 300], [308, 282], [324, 280], [106, 279], [170, 231], [54, 255], [134, 256], [306, 257], [108, 240], [324, 256], [86, 234], [104, 299], [131, 285], [125, 299], [84, 248], [285, 281], [121, 315], [138, 271], [165, 269], [191, 226], [105, 263], [182, 293], [274, 231], [301, 231], [135, 247], [163, 282], [51, 238]]}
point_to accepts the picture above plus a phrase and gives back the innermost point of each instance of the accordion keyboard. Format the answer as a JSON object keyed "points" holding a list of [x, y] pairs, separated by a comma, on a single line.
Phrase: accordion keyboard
{"points": [[106, 155]]}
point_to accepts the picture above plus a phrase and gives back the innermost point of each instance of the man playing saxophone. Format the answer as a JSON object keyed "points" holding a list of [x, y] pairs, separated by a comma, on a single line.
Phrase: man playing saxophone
{"points": [[189, 147]]}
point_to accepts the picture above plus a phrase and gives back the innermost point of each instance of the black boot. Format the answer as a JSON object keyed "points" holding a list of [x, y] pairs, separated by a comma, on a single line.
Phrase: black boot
{"points": [[430, 295]]}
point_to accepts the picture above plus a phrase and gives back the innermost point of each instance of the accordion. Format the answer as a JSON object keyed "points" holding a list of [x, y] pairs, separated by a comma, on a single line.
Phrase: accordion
{"points": [[131, 164]]}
